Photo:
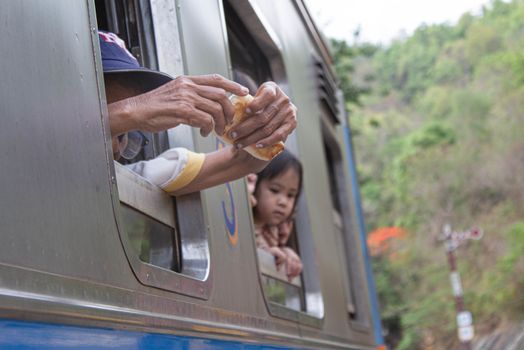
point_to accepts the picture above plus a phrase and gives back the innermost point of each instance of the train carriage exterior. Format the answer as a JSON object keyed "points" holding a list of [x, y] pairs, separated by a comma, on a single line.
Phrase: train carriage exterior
{"points": [[95, 257]]}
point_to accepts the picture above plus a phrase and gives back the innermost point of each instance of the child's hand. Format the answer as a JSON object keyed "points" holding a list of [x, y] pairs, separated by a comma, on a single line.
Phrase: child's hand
{"points": [[251, 184], [293, 263], [279, 254], [270, 234], [284, 230]]}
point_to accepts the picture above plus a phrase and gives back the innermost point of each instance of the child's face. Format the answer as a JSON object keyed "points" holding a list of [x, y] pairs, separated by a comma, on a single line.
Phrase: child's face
{"points": [[276, 198]]}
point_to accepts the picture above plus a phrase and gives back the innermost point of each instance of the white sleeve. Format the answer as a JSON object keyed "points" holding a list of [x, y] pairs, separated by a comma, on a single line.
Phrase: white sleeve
{"points": [[171, 170]]}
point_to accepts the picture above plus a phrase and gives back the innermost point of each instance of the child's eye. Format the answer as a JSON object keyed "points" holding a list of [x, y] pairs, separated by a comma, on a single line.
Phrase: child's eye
{"points": [[274, 190], [291, 195]]}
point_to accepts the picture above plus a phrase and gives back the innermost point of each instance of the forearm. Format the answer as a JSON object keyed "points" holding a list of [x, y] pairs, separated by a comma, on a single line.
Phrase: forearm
{"points": [[121, 117], [223, 166]]}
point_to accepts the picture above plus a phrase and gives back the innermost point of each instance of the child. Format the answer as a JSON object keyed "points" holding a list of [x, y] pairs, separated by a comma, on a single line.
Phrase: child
{"points": [[275, 191]]}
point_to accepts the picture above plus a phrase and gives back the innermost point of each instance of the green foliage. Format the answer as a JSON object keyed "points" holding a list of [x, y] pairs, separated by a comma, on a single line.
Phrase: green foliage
{"points": [[432, 135], [344, 56], [481, 41], [439, 139]]}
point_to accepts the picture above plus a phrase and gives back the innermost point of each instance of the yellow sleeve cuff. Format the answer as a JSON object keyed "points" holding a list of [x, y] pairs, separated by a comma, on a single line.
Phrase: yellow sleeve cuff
{"points": [[191, 170]]}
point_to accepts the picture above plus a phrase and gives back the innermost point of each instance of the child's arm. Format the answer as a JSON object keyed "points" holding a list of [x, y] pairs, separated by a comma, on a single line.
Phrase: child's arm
{"points": [[293, 263]]}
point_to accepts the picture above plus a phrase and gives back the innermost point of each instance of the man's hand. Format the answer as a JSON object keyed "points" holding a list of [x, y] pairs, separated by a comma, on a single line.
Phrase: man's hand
{"points": [[199, 101], [271, 118]]}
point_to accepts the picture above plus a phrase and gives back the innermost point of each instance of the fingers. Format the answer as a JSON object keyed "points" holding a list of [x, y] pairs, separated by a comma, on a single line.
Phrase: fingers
{"points": [[272, 119], [269, 129], [265, 95], [271, 235], [286, 127], [200, 119], [184, 99], [260, 111], [252, 201], [219, 81], [284, 231], [215, 110], [280, 256], [271, 240], [293, 263], [252, 178], [293, 268], [251, 184], [223, 116]]}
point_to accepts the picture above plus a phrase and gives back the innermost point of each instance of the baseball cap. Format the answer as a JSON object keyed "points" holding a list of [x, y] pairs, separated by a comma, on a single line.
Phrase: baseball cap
{"points": [[116, 59]]}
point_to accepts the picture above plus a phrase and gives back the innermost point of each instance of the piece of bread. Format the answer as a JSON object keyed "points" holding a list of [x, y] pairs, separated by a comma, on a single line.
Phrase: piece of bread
{"points": [[265, 153]]}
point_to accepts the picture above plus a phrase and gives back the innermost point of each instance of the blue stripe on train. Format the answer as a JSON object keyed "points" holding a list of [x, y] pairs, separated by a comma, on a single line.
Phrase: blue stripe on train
{"points": [[45, 336]]}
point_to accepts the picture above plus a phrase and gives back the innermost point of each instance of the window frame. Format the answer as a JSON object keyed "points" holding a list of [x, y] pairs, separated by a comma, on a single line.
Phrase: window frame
{"points": [[265, 38], [194, 277], [354, 283]]}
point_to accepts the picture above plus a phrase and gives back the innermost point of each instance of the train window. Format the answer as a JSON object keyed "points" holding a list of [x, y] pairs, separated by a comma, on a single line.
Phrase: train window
{"points": [[331, 110], [337, 193], [255, 58], [342, 214], [166, 247]]}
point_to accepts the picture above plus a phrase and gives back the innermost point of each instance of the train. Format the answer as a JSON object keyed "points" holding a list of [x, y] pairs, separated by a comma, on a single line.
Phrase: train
{"points": [[95, 257]]}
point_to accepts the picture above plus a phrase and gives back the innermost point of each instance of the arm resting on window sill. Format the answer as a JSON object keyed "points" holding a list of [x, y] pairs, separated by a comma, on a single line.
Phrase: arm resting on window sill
{"points": [[179, 171]]}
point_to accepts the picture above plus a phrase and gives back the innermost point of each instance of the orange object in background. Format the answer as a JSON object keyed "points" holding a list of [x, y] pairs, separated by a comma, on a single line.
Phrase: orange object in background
{"points": [[379, 241]]}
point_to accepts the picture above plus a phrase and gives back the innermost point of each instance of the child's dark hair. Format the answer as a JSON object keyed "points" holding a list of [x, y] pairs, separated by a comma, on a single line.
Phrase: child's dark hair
{"points": [[278, 166]]}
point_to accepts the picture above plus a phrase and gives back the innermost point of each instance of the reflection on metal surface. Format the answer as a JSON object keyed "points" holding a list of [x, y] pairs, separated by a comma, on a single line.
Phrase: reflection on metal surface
{"points": [[152, 241], [228, 207], [193, 237], [149, 222], [315, 304], [310, 274], [277, 287], [283, 293], [142, 195]]}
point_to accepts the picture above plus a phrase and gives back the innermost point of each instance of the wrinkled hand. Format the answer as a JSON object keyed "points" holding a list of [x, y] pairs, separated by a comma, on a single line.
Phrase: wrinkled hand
{"points": [[271, 118], [293, 263], [199, 101], [251, 184]]}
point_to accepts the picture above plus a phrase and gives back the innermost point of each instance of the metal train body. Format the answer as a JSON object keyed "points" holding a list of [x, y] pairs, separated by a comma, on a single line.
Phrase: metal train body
{"points": [[93, 257]]}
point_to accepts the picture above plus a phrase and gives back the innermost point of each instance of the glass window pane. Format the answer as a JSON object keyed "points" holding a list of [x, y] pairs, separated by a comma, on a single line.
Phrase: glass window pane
{"points": [[283, 293], [153, 241]]}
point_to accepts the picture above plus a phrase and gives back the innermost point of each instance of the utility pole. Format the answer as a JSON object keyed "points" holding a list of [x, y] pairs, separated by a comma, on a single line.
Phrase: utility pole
{"points": [[464, 318]]}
